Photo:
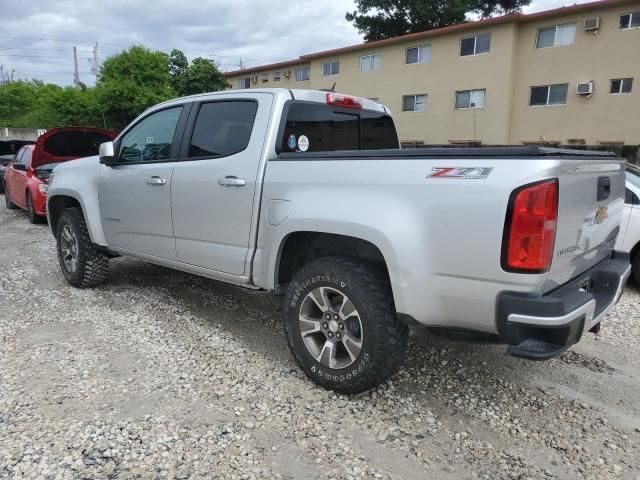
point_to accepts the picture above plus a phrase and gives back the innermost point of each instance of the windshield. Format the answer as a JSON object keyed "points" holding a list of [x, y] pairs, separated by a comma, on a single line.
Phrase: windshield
{"points": [[633, 175]]}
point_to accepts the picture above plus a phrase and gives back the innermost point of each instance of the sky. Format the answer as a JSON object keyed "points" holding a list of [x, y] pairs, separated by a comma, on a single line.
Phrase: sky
{"points": [[37, 36]]}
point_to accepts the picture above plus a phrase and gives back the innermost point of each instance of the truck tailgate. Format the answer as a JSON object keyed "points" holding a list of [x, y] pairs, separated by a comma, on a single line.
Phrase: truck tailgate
{"points": [[591, 201]]}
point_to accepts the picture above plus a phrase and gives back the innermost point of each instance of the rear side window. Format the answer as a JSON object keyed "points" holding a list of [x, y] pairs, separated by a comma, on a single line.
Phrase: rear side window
{"points": [[222, 128], [329, 129]]}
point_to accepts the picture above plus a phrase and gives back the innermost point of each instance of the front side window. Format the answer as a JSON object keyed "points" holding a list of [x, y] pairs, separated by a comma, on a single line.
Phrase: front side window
{"points": [[244, 82], [330, 129], [556, 36], [370, 62], [330, 68], [620, 86], [630, 20], [470, 98], [475, 45], [421, 54], [549, 95], [150, 140], [414, 103], [302, 74], [222, 128]]}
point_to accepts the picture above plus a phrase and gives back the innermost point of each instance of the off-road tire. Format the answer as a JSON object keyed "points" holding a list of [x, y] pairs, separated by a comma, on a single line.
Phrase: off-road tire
{"points": [[10, 205], [635, 268], [93, 264], [385, 337], [31, 210]]}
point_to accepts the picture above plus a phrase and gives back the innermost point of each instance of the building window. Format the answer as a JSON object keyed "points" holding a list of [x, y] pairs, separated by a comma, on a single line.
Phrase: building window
{"points": [[421, 54], [620, 86], [630, 20], [330, 68], [556, 36], [265, 77], [414, 103], [475, 45], [244, 82], [549, 95], [470, 98], [277, 76], [302, 74], [370, 62]]}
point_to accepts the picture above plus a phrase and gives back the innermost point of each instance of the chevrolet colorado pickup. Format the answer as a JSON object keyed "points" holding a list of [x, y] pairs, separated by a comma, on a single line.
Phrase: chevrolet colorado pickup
{"points": [[307, 194]]}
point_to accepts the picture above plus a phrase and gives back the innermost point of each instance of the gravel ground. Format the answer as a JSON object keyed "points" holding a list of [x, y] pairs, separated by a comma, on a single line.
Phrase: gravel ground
{"points": [[159, 374]]}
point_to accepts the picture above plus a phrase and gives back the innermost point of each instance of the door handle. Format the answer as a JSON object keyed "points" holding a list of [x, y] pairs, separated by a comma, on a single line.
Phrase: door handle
{"points": [[232, 181], [155, 180]]}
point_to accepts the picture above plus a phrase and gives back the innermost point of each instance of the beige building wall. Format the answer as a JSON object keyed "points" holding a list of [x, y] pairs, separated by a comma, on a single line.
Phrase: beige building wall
{"points": [[446, 72], [284, 82], [507, 72], [611, 53]]}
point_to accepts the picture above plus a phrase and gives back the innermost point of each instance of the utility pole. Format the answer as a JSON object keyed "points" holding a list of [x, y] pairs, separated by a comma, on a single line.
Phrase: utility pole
{"points": [[241, 64], [95, 65], [76, 75]]}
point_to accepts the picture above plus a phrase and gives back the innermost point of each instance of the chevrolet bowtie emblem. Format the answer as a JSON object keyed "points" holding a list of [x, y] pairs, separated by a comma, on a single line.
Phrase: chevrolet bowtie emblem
{"points": [[601, 214]]}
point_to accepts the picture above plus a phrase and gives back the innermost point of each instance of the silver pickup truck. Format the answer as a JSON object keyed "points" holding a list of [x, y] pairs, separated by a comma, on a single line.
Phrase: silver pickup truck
{"points": [[307, 194]]}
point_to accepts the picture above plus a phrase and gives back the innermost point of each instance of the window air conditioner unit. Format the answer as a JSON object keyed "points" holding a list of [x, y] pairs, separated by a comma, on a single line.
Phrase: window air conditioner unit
{"points": [[286, 73], [254, 79], [591, 24], [584, 88]]}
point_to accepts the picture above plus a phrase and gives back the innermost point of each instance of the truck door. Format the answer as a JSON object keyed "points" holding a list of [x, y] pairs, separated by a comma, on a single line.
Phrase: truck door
{"points": [[213, 186], [135, 194]]}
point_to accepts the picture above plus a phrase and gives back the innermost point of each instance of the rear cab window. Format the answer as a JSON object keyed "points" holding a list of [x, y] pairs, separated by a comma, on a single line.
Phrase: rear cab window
{"points": [[316, 127]]}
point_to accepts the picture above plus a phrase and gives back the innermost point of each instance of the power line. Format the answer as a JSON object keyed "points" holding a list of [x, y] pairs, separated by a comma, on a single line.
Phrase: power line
{"points": [[44, 56], [42, 49]]}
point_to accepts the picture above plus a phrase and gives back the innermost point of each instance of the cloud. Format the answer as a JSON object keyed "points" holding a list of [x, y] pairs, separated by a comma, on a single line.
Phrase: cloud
{"points": [[257, 32]]}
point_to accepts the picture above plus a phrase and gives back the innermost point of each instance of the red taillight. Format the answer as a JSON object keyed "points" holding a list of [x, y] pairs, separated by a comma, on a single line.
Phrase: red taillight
{"points": [[531, 229], [343, 101]]}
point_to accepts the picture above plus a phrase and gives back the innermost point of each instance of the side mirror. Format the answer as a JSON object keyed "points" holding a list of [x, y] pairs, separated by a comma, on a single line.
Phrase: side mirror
{"points": [[106, 154]]}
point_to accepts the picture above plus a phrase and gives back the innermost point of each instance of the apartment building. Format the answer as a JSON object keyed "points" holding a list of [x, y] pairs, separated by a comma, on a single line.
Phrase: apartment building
{"points": [[569, 75]]}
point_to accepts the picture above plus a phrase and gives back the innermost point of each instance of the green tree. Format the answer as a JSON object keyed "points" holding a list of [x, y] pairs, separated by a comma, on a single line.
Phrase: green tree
{"points": [[131, 82], [200, 77], [203, 76], [22, 104], [378, 19], [178, 66]]}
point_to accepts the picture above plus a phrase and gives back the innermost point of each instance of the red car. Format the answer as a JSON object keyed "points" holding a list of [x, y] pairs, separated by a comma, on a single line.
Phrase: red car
{"points": [[26, 177]]}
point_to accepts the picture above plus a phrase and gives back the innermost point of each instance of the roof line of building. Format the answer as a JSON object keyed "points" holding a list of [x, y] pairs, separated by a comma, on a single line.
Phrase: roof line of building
{"points": [[460, 27]]}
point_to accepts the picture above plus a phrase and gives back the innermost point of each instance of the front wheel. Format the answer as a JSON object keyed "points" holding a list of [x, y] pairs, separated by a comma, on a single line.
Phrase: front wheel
{"points": [[31, 210], [82, 264], [341, 324], [635, 268]]}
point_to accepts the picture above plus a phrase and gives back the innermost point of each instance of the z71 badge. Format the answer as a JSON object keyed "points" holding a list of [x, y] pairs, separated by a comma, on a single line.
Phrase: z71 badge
{"points": [[460, 172]]}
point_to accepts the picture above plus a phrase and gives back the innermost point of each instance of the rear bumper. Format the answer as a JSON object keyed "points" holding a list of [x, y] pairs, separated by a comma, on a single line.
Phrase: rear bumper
{"points": [[543, 327]]}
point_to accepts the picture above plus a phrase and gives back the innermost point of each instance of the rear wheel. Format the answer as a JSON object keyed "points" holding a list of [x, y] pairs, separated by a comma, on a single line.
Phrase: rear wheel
{"points": [[82, 264], [635, 268], [341, 324], [33, 216], [10, 205]]}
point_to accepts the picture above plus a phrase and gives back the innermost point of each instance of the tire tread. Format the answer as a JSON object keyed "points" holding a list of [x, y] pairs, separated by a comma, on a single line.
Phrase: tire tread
{"points": [[392, 335]]}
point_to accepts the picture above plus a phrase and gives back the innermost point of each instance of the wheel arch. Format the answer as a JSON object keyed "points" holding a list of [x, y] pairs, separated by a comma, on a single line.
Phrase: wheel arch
{"points": [[300, 247]]}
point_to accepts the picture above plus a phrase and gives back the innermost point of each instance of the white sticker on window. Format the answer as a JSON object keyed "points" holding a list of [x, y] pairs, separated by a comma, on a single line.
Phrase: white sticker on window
{"points": [[303, 143], [149, 139]]}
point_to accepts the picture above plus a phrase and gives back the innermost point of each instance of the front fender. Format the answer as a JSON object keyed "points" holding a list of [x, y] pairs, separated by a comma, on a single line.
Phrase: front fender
{"points": [[78, 179]]}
